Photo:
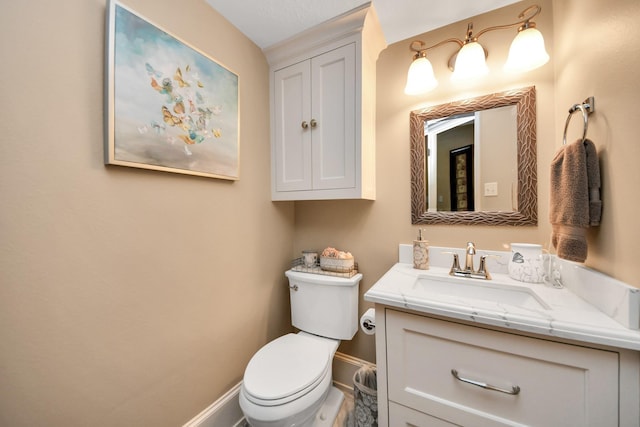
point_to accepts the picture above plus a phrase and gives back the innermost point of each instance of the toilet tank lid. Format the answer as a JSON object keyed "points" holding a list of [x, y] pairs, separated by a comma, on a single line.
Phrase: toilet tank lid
{"points": [[286, 366], [324, 279]]}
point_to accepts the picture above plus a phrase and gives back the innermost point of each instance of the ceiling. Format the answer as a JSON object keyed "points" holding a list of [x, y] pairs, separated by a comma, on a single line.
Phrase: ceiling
{"points": [[267, 22]]}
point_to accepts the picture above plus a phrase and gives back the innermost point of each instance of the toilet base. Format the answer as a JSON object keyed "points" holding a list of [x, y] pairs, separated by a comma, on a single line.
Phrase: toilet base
{"points": [[329, 410]]}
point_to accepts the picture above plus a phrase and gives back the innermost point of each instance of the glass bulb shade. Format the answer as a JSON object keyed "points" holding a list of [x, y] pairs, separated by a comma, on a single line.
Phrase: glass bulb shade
{"points": [[470, 62], [527, 52], [420, 78]]}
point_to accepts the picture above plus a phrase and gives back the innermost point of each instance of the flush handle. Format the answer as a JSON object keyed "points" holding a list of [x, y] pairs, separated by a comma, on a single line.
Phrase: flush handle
{"points": [[514, 389], [293, 287]]}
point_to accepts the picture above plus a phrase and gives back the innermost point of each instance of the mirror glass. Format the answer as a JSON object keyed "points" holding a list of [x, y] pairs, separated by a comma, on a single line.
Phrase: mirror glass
{"points": [[460, 176], [474, 161]]}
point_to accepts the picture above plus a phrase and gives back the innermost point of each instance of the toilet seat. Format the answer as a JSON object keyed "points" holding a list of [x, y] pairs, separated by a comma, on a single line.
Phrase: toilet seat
{"points": [[285, 369]]}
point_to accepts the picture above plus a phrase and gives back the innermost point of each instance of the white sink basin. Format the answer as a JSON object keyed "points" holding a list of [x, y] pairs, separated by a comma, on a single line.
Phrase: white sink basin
{"points": [[475, 292]]}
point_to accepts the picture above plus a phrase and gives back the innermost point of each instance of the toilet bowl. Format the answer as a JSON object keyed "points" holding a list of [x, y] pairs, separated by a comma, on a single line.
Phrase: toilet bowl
{"points": [[287, 381]]}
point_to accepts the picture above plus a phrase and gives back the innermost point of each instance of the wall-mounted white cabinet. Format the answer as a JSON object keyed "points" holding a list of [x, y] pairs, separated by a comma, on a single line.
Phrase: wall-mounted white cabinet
{"points": [[323, 110]]}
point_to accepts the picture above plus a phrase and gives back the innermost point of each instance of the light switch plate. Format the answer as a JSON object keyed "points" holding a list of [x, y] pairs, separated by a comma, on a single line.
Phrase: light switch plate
{"points": [[491, 189]]}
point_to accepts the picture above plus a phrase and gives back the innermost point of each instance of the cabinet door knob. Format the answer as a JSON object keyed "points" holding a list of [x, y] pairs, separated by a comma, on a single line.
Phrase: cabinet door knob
{"points": [[314, 123], [305, 125]]}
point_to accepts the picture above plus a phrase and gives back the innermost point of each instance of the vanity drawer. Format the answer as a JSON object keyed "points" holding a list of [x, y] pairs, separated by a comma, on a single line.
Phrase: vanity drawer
{"points": [[401, 416], [559, 384]]}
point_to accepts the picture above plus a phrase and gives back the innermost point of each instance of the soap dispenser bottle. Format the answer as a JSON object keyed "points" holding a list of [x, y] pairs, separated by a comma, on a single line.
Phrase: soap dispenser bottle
{"points": [[421, 252]]}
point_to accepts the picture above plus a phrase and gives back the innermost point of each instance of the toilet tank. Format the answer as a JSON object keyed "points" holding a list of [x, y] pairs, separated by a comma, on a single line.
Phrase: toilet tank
{"points": [[324, 305]]}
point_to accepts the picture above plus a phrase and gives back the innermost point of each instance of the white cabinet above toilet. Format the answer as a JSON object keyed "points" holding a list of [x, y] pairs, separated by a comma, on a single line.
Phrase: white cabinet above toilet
{"points": [[323, 103]]}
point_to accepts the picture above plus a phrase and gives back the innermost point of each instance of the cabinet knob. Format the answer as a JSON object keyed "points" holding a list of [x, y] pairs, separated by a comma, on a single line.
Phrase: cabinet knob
{"points": [[304, 125], [314, 123]]}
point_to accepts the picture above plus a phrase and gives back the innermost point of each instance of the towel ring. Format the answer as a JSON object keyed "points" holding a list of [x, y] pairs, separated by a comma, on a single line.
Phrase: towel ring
{"points": [[587, 107]]}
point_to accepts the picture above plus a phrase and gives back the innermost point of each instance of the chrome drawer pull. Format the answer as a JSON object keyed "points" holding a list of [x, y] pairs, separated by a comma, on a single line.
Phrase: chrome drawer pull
{"points": [[514, 389]]}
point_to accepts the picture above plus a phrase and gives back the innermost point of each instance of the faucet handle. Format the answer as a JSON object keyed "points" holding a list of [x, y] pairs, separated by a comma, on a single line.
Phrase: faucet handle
{"points": [[456, 262], [482, 268]]}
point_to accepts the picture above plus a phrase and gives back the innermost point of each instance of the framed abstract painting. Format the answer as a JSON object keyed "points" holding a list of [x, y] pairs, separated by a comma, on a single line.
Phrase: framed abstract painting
{"points": [[170, 107]]}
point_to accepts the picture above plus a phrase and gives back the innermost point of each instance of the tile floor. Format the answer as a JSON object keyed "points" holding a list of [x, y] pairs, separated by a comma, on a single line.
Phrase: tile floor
{"points": [[345, 416]]}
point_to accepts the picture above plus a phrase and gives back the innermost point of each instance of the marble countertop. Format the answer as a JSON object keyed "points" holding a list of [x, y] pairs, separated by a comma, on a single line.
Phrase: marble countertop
{"points": [[544, 310]]}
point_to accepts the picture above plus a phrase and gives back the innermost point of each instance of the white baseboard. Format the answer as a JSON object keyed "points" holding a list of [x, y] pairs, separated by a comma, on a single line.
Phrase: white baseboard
{"points": [[223, 412], [344, 368], [226, 411]]}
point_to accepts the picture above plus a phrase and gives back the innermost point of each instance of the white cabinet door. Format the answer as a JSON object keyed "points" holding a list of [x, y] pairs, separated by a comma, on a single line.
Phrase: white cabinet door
{"points": [[333, 111], [557, 384], [315, 123], [292, 150]]}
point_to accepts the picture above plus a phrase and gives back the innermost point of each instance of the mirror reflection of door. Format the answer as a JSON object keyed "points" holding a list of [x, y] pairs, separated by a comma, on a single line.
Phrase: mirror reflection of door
{"points": [[444, 136], [461, 178]]}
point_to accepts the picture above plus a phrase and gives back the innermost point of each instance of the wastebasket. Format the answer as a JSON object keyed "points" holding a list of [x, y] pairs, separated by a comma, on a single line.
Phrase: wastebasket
{"points": [[365, 397]]}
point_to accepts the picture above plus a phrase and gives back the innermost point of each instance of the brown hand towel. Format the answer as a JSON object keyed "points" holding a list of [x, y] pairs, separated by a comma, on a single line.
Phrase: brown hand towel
{"points": [[593, 176], [575, 198]]}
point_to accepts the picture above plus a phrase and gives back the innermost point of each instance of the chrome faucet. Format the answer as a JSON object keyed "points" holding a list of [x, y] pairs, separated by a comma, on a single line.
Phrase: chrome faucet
{"points": [[468, 271]]}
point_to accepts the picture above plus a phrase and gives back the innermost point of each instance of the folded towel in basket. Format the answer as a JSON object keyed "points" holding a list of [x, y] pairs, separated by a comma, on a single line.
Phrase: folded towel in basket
{"points": [[575, 198]]}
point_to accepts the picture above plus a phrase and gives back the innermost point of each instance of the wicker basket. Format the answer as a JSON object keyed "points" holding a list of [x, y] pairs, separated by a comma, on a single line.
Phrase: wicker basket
{"points": [[336, 264]]}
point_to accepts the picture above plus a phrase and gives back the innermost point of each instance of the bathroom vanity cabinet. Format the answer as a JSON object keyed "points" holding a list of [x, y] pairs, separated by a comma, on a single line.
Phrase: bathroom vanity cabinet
{"points": [[500, 352], [503, 378], [323, 110]]}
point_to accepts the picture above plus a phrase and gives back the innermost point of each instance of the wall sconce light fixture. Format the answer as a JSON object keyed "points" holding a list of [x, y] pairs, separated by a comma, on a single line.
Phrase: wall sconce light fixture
{"points": [[526, 53]]}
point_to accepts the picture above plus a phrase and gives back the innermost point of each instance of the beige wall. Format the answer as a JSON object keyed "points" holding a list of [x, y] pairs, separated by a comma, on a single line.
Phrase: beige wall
{"points": [[597, 49], [373, 230], [127, 297], [131, 297], [586, 40]]}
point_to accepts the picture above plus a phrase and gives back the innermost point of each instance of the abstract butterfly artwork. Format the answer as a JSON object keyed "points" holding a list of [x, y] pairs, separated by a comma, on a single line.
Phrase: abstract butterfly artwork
{"points": [[170, 107]]}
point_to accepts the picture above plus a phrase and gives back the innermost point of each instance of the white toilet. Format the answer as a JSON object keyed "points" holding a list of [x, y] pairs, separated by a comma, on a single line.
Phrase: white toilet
{"points": [[288, 382]]}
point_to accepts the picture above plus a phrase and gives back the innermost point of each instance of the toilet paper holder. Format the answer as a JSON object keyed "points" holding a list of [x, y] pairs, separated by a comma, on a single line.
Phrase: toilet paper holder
{"points": [[369, 324]]}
